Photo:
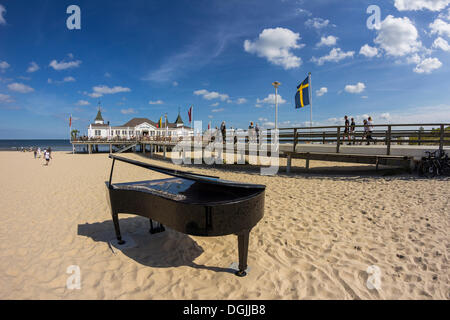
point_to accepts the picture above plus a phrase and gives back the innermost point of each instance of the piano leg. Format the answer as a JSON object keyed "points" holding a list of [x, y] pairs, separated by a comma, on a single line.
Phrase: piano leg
{"points": [[159, 228], [115, 217], [243, 252]]}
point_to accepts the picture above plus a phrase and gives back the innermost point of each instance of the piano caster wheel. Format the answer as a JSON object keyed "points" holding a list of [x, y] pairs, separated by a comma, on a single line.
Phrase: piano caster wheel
{"points": [[240, 273], [121, 242]]}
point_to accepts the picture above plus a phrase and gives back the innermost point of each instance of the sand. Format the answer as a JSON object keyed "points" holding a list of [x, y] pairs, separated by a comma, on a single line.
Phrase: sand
{"points": [[320, 234]]}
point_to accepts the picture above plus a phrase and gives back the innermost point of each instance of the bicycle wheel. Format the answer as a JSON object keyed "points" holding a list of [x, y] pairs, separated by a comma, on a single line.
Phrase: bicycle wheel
{"points": [[428, 169]]}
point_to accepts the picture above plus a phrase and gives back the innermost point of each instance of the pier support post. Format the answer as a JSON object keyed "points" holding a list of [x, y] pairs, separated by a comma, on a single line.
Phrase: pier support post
{"points": [[110, 148], [164, 151], [89, 148], [289, 163], [143, 148], [307, 164]]}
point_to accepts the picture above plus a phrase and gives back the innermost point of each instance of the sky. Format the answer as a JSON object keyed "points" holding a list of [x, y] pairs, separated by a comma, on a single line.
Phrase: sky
{"points": [[144, 58]]}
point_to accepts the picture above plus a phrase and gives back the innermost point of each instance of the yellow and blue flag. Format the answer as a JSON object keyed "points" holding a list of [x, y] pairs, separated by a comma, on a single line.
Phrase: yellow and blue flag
{"points": [[303, 94]]}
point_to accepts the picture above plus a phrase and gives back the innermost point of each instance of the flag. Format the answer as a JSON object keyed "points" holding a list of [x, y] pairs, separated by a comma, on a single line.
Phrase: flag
{"points": [[303, 94], [190, 114], [70, 121], [159, 125]]}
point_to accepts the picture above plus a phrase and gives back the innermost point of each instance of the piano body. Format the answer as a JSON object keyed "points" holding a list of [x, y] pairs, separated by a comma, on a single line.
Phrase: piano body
{"points": [[190, 203]]}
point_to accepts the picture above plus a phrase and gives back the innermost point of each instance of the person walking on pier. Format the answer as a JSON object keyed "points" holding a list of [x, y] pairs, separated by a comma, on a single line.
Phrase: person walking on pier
{"points": [[346, 130], [223, 129], [352, 130], [257, 133]]}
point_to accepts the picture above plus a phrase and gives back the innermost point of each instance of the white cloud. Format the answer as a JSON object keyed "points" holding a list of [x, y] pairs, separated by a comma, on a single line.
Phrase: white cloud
{"points": [[327, 41], [357, 88], [156, 102], [335, 55], [107, 75], [214, 104], [218, 110], [5, 98], [321, 91], [241, 101], [398, 36], [440, 27], [433, 5], [207, 95], [128, 111], [428, 65], [275, 45], [175, 84], [385, 116], [317, 23], [20, 87], [368, 51], [445, 15], [101, 90], [3, 66], [69, 79], [2, 12], [83, 103], [33, 67], [441, 44], [64, 65], [268, 124], [270, 99]]}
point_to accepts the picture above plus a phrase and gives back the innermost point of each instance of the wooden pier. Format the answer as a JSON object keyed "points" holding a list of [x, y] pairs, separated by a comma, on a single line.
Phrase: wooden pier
{"points": [[392, 145]]}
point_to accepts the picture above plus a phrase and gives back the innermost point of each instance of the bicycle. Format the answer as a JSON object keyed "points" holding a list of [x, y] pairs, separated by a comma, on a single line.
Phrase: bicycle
{"points": [[429, 166], [434, 165]]}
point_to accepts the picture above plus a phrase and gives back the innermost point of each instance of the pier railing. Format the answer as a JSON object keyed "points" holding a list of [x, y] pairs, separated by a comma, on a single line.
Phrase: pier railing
{"points": [[430, 134], [382, 134]]}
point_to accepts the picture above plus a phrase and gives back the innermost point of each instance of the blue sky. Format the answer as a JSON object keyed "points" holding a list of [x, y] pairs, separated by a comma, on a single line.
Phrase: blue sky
{"points": [[147, 58]]}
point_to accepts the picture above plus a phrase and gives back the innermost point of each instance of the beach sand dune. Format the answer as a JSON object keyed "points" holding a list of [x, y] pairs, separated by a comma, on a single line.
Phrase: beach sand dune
{"points": [[319, 236]]}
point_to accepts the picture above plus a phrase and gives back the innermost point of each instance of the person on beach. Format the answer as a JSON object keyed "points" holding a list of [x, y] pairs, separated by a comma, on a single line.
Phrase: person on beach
{"points": [[39, 152], [35, 152], [352, 130], [47, 157], [346, 130]]}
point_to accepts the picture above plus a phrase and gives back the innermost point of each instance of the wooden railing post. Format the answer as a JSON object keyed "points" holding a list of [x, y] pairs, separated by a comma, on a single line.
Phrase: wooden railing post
{"points": [[388, 140], [295, 139], [323, 138], [441, 139], [338, 139]]}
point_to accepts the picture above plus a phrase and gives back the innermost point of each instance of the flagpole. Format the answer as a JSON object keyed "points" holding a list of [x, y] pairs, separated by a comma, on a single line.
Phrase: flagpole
{"points": [[310, 100]]}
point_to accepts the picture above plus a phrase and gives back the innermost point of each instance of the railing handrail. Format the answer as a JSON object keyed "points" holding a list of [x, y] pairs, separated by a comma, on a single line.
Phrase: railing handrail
{"points": [[372, 125]]}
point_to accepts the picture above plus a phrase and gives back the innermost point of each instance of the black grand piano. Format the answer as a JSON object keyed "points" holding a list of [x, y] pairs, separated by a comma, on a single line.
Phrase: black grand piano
{"points": [[190, 203]]}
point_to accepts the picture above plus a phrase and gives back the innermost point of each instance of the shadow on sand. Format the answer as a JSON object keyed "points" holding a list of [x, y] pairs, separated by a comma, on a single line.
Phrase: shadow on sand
{"points": [[162, 250]]}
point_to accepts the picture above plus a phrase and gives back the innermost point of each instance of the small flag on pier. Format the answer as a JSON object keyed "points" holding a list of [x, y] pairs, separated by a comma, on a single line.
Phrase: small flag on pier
{"points": [[160, 123], [303, 94], [190, 114], [70, 121]]}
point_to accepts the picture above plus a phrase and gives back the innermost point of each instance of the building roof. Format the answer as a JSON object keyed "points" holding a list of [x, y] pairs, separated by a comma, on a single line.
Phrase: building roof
{"points": [[99, 116], [137, 121], [179, 120]]}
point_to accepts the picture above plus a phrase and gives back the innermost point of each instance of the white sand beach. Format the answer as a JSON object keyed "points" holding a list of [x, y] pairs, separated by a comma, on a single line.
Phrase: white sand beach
{"points": [[319, 235]]}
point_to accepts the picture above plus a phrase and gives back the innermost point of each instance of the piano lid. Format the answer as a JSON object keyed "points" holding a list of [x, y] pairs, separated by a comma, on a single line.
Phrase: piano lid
{"points": [[189, 175]]}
